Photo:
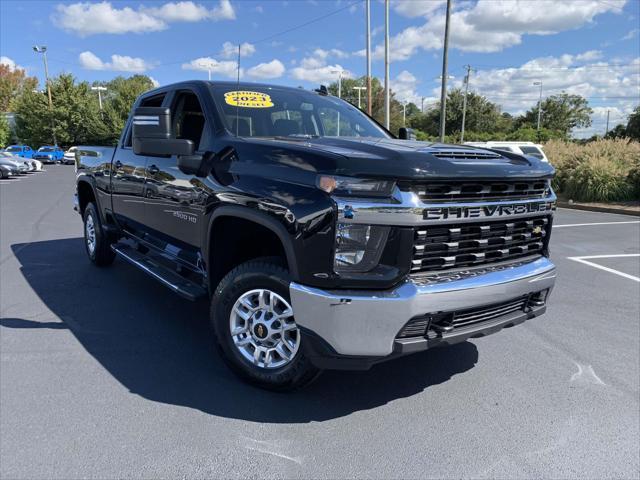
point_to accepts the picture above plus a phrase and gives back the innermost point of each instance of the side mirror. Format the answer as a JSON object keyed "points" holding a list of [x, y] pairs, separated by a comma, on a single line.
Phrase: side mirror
{"points": [[406, 134], [152, 134]]}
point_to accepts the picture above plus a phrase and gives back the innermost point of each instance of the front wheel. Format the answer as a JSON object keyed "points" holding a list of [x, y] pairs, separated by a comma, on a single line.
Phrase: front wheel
{"points": [[96, 241], [255, 327]]}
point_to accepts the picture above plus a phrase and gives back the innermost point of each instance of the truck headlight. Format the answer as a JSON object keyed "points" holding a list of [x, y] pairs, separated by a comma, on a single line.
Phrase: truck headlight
{"points": [[355, 187], [358, 247]]}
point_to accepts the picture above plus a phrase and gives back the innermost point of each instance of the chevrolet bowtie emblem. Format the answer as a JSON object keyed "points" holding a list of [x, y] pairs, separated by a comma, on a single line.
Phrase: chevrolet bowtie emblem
{"points": [[537, 230]]}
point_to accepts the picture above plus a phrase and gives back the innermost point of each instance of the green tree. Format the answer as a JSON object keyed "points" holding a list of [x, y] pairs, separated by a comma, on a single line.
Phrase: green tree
{"points": [[562, 112], [633, 126], [619, 131], [377, 100], [12, 83], [75, 117], [5, 132], [120, 96]]}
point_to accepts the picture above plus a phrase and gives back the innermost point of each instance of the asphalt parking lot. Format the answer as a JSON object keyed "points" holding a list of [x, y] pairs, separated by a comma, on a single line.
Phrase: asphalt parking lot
{"points": [[104, 373]]}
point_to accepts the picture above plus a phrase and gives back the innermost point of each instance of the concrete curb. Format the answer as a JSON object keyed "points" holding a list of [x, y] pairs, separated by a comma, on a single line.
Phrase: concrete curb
{"points": [[592, 208]]}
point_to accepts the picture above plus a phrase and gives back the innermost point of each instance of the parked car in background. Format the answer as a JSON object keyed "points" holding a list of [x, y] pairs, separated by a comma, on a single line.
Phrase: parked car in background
{"points": [[17, 164], [37, 164], [6, 171], [24, 151], [49, 154], [522, 148], [70, 156]]}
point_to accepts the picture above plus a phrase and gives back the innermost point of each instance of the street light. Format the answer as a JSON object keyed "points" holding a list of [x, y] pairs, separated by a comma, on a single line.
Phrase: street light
{"points": [[99, 90], [43, 50], [339, 73], [206, 65], [536, 83], [359, 89]]}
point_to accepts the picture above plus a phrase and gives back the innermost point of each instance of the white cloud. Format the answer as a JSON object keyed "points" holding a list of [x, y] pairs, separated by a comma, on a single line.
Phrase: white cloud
{"points": [[314, 68], [631, 34], [119, 63], [10, 63], [334, 52], [155, 82], [613, 86], [589, 56], [225, 68], [229, 50], [272, 69], [413, 8], [86, 18], [491, 25]]}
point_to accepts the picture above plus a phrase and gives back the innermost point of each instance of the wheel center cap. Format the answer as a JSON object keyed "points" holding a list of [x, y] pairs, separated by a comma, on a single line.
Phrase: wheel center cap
{"points": [[260, 331]]}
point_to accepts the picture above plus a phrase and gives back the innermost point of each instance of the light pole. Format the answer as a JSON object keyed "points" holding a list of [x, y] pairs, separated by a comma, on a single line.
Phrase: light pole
{"points": [[404, 113], [443, 92], [464, 101], [359, 89], [99, 90], [206, 65], [539, 104], [339, 72], [43, 50], [386, 65]]}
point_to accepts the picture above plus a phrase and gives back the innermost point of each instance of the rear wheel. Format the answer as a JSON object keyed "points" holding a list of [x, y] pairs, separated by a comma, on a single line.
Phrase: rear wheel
{"points": [[96, 241], [255, 327]]}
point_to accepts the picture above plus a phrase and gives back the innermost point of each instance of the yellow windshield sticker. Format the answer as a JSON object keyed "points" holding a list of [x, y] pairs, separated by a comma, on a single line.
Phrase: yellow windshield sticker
{"points": [[248, 99]]}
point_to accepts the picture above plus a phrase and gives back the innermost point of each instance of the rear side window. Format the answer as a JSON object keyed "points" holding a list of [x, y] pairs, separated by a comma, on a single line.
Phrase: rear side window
{"points": [[504, 149], [533, 151]]}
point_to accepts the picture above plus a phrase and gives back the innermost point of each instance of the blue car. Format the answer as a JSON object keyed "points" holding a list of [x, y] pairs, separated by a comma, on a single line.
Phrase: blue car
{"points": [[49, 154], [23, 151]]}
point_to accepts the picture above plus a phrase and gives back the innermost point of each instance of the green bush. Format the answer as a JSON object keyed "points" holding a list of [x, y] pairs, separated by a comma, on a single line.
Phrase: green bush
{"points": [[599, 180], [604, 170]]}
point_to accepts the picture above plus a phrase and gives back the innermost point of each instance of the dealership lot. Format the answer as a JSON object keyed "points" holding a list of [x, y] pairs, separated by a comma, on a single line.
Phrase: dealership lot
{"points": [[105, 373]]}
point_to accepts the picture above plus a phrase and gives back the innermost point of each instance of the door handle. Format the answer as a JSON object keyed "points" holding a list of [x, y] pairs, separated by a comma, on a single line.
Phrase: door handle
{"points": [[118, 164], [153, 169]]}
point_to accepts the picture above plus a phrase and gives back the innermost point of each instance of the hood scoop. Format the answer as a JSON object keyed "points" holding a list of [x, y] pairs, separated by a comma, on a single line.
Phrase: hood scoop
{"points": [[474, 156]]}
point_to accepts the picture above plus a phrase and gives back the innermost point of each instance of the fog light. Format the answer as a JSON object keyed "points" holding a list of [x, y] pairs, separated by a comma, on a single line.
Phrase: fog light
{"points": [[358, 247]]}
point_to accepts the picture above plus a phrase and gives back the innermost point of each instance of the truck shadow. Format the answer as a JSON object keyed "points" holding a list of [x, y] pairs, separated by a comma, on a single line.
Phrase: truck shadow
{"points": [[159, 346]]}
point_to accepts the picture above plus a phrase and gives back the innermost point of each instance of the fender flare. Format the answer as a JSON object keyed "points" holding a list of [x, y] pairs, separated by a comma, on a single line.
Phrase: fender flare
{"points": [[261, 219], [91, 183]]}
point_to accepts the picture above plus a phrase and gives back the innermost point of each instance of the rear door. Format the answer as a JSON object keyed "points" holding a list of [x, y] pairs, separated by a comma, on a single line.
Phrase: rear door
{"points": [[128, 172], [174, 200]]}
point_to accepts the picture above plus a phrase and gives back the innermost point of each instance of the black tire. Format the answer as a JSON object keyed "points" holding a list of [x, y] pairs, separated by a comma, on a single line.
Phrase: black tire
{"points": [[102, 255], [262, 273]]}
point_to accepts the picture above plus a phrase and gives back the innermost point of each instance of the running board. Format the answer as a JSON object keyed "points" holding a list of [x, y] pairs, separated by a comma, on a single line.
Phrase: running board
{"points": [[172, 280]]}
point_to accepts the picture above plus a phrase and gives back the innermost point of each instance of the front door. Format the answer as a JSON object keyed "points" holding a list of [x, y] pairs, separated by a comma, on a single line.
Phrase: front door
{"points": [[174, 200], [128, 172]]}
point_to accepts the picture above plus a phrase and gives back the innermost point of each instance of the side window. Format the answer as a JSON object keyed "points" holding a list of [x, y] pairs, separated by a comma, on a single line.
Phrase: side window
{"points": [[188, 117], [335, 125]]}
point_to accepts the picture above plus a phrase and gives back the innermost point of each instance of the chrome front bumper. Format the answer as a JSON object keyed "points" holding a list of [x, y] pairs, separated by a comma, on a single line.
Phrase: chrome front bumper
{"points": [[365, 323]]}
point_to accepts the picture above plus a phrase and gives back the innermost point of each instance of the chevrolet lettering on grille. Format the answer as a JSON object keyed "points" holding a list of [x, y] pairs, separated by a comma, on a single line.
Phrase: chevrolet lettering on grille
{"points": [[487, 211]]}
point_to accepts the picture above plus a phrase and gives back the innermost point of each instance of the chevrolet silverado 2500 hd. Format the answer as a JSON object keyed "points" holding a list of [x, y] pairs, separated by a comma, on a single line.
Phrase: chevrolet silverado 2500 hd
{"points": [[321, 240]]}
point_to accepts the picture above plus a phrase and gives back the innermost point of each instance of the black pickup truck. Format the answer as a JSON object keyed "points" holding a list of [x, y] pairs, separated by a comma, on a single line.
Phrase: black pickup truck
{"points": [[321, 240]]}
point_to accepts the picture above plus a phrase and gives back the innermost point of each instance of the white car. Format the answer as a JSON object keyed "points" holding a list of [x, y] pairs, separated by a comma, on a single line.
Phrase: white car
{"points": [[70, 156], [523, 148], [31, 164]]}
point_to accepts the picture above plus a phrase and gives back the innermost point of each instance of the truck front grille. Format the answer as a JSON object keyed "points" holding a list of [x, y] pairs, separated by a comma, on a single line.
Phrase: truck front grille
{"points": [[484, 191], [442, 247], [440, 324]]}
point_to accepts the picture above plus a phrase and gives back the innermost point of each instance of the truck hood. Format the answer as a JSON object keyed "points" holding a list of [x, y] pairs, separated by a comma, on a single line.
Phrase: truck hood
{"points": [[400, 159]]}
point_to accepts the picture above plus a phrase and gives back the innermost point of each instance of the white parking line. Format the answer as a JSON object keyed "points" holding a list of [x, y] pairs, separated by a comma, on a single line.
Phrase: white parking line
{"points": [[595, 223], [607, 269]]}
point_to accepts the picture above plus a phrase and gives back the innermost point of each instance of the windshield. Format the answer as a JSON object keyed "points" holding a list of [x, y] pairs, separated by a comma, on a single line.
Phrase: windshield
{"points": [[533, 151], [273, 112], [45, 149], [14, 149]]}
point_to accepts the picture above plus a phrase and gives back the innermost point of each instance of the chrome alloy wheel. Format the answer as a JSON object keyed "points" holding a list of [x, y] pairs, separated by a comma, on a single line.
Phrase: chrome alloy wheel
{"points": [[263, 329], [90, 233]]}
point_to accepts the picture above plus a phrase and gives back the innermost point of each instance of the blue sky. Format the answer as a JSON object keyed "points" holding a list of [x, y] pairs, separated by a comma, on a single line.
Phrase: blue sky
{"points": [[590, 47]]}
